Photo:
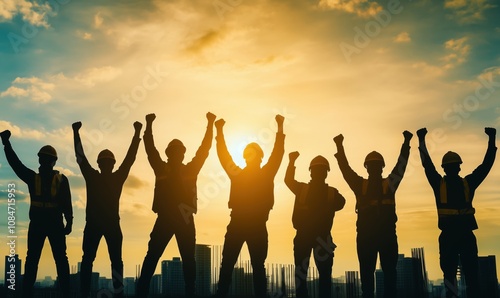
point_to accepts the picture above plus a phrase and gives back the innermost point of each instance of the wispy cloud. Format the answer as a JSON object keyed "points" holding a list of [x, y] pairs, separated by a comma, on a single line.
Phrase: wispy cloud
{"points": [[468, 11], [34, 88], [361, 8], [33, 12], [90, 77], [458, 52], [21, 133], [403, 37]]}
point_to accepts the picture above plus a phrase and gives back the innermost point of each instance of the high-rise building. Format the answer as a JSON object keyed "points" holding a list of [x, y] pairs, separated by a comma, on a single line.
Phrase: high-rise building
{"points": [[203, 255], [172, 277], [379, 283], [129, 286], [12, 274], [422, 282], [488, 281], [155, 287], [352, 284]]}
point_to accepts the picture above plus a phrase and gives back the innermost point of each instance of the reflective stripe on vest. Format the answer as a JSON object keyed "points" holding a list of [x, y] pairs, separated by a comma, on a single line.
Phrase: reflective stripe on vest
{"points": [[443, 198], [56, 182], [443, 193], [385, 190], [445, 211], [305, 191]]}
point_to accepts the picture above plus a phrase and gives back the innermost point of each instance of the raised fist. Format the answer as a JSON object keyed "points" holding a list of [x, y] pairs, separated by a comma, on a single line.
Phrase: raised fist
{"points": [[5, 136], [293, 155], [422, 132], [76, 126], [490, 131], [220, 123], [279, 119], [338, 139], [150, 117], [137, 125], [408, 135], [211, 117]]}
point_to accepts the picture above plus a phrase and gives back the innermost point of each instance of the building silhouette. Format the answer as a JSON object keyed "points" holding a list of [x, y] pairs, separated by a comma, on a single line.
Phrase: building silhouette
{"points": [[352, 284], [172, 277], [488, 281], [203, 254]]}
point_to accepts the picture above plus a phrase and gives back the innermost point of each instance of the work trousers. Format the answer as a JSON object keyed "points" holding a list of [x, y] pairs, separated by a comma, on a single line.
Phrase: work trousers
{"points": [[38, 230], [165, 227], [461, 245], [91, 237], [323, 252], [255, 235], [369, 245]]}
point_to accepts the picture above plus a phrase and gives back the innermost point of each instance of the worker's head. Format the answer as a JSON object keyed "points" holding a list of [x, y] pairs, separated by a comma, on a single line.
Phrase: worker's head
{"points": [[319, 168], [253, 154], [47, 156], [106, 161], [175, 151], [374, 163], [451, 163]]}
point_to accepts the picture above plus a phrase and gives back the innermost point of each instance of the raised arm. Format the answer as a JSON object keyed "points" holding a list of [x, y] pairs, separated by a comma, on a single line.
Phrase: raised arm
{"points": [[225, 158], [290, 181], [399, 169], [202, 152], [153, 155], [19, 168], [81, 159], [276, 157], [430, 170], [127, 163], [352, 178], [480, 173]]}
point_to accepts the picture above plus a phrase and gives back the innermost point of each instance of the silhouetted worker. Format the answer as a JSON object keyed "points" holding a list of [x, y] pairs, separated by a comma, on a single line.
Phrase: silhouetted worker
{"points": [[313, 213], [251, 198], [50, 199], [104, 189], [376, 209], [456, 220], [175, 202]]}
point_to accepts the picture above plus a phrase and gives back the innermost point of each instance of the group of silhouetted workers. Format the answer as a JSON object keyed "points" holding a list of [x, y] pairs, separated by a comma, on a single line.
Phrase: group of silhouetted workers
{"points": [[251, 199]]}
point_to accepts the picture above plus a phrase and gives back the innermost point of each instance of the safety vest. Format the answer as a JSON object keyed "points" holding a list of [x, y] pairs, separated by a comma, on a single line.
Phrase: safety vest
{"points": [[387, 198], [301, 204], [443, 201], [54, 189]]}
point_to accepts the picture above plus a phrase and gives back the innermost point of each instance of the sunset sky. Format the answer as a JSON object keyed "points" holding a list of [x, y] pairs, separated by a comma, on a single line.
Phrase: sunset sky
{"points": [[366, 69]]}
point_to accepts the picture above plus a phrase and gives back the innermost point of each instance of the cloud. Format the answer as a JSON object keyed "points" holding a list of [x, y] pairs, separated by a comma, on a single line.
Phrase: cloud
{"points": [[403, 37], [90, 77], [204, 41], [34, 12], [468, 11], [21, 133], [134, 182], [98, 20], [458, 52], [362, 8], [84, 35], [34, 88]]}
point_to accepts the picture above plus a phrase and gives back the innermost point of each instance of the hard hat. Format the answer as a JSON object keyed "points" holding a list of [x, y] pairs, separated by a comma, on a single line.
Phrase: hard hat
{"points": [[48, 150], [451, 157], [105, 154], [252, 150], [175, 144], [374, 156], [319, 161]]}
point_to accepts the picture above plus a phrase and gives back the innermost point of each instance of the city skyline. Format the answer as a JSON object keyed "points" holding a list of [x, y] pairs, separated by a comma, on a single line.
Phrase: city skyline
{"points": [[368, 69]]}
